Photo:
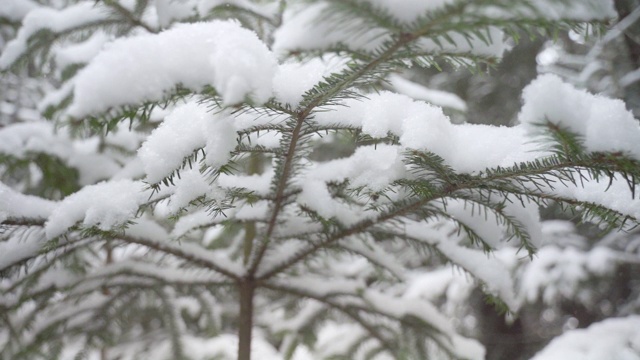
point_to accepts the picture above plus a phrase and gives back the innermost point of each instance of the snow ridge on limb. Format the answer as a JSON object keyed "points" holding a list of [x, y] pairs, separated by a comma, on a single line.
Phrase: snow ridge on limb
{"points": [[583, 126], [602, 124], [148, 67], [616, 338], [14, 204], [188, 128], [467, 31], [42, 19], [105, 205]]}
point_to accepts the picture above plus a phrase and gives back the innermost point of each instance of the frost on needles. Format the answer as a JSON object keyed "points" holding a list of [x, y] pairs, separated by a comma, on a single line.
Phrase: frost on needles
{"points": [[200, 214]]}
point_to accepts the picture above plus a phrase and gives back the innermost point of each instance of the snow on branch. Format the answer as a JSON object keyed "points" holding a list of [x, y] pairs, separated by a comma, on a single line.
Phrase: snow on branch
{"points": [[105, 205], [463, 27], [602, 124], [491, 272], [188, 128], [410, 11], [148, 67], [31, 139], [419, 92], [16, 205], [372, 166], [421, 126], [49, 20], [401, 308], [617, 338]]}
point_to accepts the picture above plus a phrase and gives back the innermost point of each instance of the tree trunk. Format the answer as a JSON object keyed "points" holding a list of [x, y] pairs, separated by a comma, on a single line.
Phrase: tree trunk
{"points": [[245, 324]]}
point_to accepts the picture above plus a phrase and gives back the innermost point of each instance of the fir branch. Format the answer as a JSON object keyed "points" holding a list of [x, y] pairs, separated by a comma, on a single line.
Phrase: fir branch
{"points": [[302, 115], [350, 311], [193, 257], [128, 16], [548, 166], [236, 11]]}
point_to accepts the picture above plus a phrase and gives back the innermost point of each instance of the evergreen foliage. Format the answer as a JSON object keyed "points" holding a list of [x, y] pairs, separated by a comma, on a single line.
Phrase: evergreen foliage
{"points": [[260, 244]]}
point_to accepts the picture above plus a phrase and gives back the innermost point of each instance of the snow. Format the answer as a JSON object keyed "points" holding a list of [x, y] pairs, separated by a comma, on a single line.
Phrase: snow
{"points": [[92, 165], [82, 52], [615, 338], [490, 227], [604, 124], [584, 10], [418, 92], [57, 21], [260, 184], [465, 147], [386, 112], [105, 205], [306, 74], [557, 273], [22, 140], [301, 30], [433, 284], [222, 347], [371, 166], [253, 211], [144, 227], [335, 339], [188, 128], [491, 44], [54, 98], [179, 135], [8, 110], [561, 233], [266, 9], [220, 136], [239, 66], [148, 67], [630, 78], [191, 221], [617, 196], [153, 236], [16, 205], [374, 167], [309, 309], [320, 287], [27, 245], [376, 255], [191, 185], [169, 274], [493, 273], [267, 140], [461, 347], [16, 10], [60, 311], [408, 11], [169, 11]]}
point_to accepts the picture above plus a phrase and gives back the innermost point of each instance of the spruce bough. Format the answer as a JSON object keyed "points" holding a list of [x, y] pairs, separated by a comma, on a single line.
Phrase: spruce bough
{"points": [[200, 206]]}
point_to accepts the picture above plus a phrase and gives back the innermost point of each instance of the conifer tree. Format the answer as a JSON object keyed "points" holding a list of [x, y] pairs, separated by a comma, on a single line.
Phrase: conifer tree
{"points": [[251, 179]]}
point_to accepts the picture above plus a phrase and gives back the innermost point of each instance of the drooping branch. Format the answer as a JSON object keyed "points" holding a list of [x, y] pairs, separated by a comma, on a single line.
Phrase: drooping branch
{"points": [[490, 180]]}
